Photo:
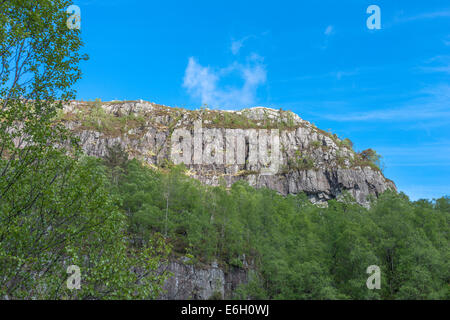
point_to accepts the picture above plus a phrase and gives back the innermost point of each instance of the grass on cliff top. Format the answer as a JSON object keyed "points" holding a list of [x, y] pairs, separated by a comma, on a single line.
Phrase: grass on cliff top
{"points": [[90, 113], [92, 116]]}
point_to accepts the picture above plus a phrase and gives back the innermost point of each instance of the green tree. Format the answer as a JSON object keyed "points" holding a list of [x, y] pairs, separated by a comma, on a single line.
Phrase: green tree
{"points": [[55, 207], [372, 157]]}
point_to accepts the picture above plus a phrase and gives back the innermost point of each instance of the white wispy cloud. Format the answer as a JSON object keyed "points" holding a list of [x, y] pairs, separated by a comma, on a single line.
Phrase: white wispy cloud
{"points": [[439, 63], [426, 15], [202, 82], [333, 75], [446, 41], [433, 106], [401, 114], [236, 45], [419, 155], [329, 30], [340, 74], [402, 18], [445, 69]]}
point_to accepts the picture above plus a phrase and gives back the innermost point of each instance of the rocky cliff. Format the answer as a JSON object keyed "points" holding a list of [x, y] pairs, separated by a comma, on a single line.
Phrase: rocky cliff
{"points": [[230, 145]]}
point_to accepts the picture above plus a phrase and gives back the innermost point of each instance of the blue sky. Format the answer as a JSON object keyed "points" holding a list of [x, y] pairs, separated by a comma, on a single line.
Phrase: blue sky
{"points": [[384, 89]]}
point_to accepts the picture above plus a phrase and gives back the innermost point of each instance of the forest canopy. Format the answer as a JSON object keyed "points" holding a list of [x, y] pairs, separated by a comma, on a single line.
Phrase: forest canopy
{"points": [[293, 248]]}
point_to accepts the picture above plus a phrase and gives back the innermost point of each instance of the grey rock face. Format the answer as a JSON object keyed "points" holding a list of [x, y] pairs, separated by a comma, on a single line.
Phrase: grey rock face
{"points": [[310, 160], [190, 282]]}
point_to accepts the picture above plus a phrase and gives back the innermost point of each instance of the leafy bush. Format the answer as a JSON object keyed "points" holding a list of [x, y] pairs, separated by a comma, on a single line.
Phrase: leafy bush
{"points": [[347, 143], [368, 157]]}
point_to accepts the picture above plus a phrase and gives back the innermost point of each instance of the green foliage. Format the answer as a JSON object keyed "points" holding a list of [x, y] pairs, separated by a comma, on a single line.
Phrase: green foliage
{"points": [[347, 143], [290, 119], [115, 156], [56, 206], [94, 117], [296, 249], [72, 220], [115, 160], [368, 157], [301, 162], [253, 289], [241, 120], [340, 160], [216, 296]]}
